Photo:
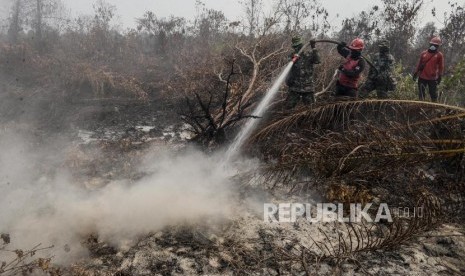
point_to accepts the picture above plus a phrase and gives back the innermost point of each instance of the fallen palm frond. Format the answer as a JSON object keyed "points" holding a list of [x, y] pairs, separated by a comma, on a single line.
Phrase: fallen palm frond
{"points": [[403, 153], [277, 251], [340, 114], [387, 144], [360, 136], [349, 241]]}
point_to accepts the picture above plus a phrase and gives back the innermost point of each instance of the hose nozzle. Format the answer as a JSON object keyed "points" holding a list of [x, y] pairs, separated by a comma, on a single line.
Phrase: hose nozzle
{"points": [[295, 58]]}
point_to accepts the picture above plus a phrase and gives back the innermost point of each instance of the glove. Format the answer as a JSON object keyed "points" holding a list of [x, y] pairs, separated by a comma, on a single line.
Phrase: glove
{"points": [[342, 44], [312, 43], [415, 77], [439, 80], [295, 57]]}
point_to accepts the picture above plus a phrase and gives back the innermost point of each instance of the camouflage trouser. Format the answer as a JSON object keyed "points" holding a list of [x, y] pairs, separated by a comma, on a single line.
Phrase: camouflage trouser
{"points": [[370, 85], [293, 98]]}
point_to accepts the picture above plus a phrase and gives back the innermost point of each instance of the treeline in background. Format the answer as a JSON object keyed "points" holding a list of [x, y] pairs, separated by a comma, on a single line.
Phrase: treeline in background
{"points": [[210, 59]]}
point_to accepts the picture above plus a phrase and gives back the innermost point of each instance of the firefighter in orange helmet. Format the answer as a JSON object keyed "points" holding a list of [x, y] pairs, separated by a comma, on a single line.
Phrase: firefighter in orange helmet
{"points": [[350, 72]]}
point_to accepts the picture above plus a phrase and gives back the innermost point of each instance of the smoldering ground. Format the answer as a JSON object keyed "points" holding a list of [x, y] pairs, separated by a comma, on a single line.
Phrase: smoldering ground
{"points": [[43, 203]]}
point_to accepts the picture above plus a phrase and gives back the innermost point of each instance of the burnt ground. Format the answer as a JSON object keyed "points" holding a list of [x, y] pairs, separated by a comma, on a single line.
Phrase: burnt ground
{"points": [[123, 130], [43, 111], [100, 116], [74, 129]]}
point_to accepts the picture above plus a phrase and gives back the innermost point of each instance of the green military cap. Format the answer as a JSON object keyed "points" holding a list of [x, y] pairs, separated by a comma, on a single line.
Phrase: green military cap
{"points": [[296, 41]]}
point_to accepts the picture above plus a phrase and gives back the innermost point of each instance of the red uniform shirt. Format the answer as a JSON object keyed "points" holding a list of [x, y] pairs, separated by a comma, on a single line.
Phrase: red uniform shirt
{"points": [[350, 81], [433, 65]]}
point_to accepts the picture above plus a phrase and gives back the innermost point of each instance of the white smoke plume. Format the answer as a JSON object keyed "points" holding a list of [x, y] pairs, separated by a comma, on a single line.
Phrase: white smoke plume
{"points": [[52, 209]]}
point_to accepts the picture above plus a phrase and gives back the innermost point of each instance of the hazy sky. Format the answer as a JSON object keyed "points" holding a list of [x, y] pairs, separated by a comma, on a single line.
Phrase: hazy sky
{"points": [[131, 9], [128, 10]]}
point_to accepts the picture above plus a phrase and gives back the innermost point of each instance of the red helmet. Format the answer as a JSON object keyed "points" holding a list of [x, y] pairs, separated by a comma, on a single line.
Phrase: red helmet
{"points": [[357, 44], [436, 41]]}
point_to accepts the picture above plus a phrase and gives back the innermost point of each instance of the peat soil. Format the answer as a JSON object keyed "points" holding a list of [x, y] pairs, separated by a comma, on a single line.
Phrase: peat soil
{"points": [[123, 130]]}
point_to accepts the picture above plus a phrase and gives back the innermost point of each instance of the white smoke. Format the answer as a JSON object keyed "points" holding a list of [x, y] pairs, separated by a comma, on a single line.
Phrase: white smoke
{"points": [[52, 209]]}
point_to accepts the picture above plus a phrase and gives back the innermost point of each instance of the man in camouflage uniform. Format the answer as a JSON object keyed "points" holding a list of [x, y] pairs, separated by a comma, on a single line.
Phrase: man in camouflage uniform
{"points": [[381, 79], [300, 79]]}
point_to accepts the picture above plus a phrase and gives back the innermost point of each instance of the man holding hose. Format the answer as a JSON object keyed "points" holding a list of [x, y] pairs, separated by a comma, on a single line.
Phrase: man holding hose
{"points": [[300, 80], [350, 72]]}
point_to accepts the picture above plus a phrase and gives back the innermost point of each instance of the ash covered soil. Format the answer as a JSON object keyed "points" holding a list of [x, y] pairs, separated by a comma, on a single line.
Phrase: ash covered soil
{"points": [[106, 142]]}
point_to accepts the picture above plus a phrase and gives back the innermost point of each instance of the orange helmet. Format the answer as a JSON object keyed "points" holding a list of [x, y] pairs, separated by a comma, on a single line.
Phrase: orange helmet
{"points": [[357, 44], [436, 41]]}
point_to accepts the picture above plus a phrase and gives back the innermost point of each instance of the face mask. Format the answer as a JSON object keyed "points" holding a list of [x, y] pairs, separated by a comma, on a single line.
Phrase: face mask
{"points": [[433, 48], [355, 54]]}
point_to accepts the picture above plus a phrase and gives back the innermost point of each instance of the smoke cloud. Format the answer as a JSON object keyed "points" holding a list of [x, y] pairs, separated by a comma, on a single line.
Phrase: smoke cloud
{"points": [[39, 206]]}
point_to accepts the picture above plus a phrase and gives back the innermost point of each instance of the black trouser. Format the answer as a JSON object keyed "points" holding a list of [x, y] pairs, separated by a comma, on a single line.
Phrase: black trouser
{"points": [[432, 86], [345, 91]]}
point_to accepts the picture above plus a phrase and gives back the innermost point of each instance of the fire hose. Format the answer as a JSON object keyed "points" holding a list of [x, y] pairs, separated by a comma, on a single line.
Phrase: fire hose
{"points": [[336, 42], [336, 72], [333, 80]]}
